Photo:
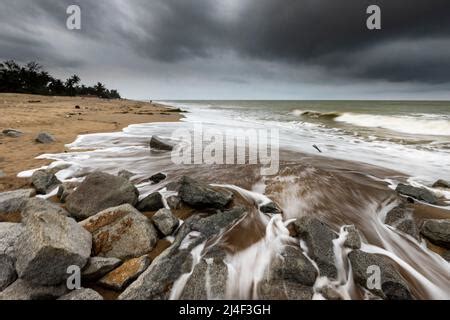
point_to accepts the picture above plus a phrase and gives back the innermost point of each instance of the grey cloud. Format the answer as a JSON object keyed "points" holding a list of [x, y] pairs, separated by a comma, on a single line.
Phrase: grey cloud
{"points": [[316, 40]]}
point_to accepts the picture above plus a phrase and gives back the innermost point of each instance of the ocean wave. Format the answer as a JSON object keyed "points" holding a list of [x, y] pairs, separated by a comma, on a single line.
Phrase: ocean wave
{"points": [[316, 114], [409, 125]]}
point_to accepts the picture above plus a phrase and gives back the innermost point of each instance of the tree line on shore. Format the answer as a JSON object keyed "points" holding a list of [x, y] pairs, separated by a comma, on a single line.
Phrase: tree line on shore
{"points": [[31, 78]]}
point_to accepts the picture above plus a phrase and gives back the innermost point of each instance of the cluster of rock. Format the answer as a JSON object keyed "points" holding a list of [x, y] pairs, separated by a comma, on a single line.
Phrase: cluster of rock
{"points": [[435, 231], [100, 230], [422, 193], [100, 227], [42, 137]]}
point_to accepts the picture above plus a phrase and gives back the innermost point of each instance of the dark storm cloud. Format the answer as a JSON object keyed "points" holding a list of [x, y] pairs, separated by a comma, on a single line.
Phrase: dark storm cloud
{"points": [[329, 35]]}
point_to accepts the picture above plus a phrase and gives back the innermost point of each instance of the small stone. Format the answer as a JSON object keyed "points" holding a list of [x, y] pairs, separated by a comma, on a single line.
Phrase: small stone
{"points": [[165, 221], [157, 178], [12, 133], [442, 184], [174, 202], [119, 278], [82, 294], [152, 202], [97, 267], [270, 208], [159, 144], [353, 239], [44, 182], [45, 138]]}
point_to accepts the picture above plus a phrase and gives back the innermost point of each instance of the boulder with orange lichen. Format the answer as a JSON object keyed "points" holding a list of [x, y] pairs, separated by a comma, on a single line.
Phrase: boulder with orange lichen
{"points": [[121, 232]]}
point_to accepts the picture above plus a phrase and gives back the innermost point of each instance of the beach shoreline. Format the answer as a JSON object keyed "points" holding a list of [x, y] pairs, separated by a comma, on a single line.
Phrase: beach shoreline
{"points": [[65, 118]]}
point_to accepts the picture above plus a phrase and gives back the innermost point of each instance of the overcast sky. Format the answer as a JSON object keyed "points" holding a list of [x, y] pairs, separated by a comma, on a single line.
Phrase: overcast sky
{"points": [[238, 49]]}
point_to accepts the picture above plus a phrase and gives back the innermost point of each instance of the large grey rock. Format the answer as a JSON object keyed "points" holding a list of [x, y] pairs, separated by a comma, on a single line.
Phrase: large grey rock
{"points": [[156, 281], [442, 184], [165, 221], [417, 193], [437, 231], [23, 290], [121, 232], [97, 267], [38, 205], [208, 280], [44, 181], [82, 294], [401, 218], [353, 239], [13, 201], [2, 174], [160, 144], [7, 271], [393, 286], [119, 278], [201, 195], [100, 191], [12, 133], [152, 202], [50, 244], [319, 239], [289, 276], [9, 235], [44, 137]]}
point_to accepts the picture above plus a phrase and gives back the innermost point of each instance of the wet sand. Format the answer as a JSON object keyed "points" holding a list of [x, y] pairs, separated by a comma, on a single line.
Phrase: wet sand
{"points": [[60, 117]]}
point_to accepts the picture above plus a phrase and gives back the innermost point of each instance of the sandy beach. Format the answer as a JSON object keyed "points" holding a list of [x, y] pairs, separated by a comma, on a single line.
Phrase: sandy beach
{"points": [[60, 117]]}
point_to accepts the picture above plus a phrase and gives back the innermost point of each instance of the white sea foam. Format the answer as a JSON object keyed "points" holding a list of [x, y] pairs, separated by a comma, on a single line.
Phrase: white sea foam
{"points": [[404, 124]]}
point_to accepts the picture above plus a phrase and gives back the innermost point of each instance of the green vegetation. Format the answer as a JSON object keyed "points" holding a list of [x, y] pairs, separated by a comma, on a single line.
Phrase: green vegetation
{"points": [[32, 79]]}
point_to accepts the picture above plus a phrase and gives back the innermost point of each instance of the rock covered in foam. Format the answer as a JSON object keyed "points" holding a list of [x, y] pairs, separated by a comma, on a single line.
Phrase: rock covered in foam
{"points": [[401, 218], [156, 281], [392, 285], [319, 239], [289, 276]]}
